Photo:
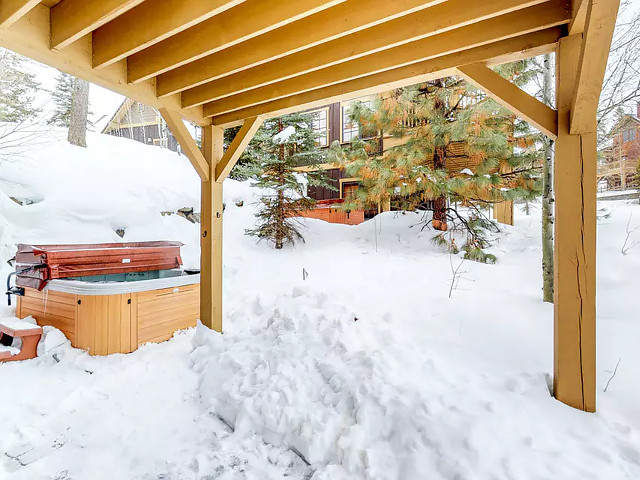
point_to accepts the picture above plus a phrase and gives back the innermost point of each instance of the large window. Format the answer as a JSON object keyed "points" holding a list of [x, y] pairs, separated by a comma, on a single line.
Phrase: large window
{"points": [[350, 129], [319, 125]]}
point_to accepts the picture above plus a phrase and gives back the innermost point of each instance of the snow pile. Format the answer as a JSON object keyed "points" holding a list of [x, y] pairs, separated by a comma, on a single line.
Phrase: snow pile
{"points": [[357, 401], [284, 135]]}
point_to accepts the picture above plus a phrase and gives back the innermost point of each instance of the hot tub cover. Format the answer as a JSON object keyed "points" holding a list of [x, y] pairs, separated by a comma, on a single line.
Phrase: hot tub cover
{"points": [[37, 264]]}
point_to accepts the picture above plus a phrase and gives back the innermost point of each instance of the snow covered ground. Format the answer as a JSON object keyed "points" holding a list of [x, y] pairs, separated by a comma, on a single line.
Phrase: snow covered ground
{"points": [[366, 369]]}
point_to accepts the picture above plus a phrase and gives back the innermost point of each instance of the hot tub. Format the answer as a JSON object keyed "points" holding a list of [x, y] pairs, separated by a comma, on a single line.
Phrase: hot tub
{"points": [[115, 317], [118, 304]]}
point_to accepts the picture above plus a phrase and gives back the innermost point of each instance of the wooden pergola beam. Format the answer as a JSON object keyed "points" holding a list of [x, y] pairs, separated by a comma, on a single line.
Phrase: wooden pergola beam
{"points": [[471, 36], [186, 141], [513, 98], [73, 19], [421, 24], [150, 22], [30, 36], [236, 149], [578, 16], [354, 15], [506, 50], [12, 10], [596, 42], [248, 20]]}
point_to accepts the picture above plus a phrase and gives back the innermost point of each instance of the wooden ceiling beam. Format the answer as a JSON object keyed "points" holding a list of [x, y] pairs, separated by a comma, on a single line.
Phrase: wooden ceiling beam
{"points": [[30, 36], [150, 22], [512, 49], [506, 26], [596, 42], [236, 149], [512, 97], [248, 20], [12, 10], [422, 24], [73, 19], [186, 141], [578, 16], [353, 15]]}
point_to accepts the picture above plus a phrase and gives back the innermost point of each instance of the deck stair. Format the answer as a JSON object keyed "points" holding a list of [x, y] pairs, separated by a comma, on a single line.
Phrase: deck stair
{"points": [[28, 332]]}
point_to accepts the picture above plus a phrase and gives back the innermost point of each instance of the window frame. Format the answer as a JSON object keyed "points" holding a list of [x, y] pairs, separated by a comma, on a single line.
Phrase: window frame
{"points": [[326, 128], [344, 117]]}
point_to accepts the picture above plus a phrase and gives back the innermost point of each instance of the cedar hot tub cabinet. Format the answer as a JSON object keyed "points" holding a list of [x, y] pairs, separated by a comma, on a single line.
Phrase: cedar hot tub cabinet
{"points": [[122, 295], [115, 317]]}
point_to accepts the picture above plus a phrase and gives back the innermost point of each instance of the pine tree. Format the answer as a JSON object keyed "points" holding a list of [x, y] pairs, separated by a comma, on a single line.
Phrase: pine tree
{"points": [[71, 97], [279, 147], [62, 97], [437, 119], [18, 88]]}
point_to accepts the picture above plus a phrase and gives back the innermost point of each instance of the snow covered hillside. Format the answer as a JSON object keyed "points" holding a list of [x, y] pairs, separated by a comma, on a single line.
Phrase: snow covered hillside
{"points": [[364, 370]]}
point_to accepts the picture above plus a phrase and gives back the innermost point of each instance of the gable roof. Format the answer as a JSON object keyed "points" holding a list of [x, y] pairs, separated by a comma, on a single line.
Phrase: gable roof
{"points": [[132, 113]]}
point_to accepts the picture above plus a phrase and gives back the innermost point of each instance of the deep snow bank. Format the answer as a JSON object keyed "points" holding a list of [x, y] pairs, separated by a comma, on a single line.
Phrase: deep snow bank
{"points": [[421, 386]]}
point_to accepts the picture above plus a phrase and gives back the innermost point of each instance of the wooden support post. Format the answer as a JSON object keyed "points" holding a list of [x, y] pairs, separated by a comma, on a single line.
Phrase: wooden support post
{"points": [[574, 381], [503, 212], [211, 233], [596, 42]]}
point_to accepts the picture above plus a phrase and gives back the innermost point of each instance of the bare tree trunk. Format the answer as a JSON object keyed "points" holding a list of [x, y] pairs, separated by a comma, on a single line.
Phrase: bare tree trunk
{"points": [[547, 196], [79, 111]]}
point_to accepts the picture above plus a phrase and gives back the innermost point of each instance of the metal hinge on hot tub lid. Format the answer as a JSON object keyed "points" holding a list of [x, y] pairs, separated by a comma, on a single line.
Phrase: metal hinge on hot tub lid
{"points": [[19, 291]]}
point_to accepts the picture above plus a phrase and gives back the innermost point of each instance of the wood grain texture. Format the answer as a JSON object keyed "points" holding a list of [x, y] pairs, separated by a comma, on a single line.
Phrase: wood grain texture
{"points": [[574, 381], [211, 233]]}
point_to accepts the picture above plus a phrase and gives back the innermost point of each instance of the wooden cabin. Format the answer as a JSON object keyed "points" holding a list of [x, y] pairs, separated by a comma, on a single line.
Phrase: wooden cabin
{"points": [[142, 123], [332, 123], [618, 167], [224, 63]]}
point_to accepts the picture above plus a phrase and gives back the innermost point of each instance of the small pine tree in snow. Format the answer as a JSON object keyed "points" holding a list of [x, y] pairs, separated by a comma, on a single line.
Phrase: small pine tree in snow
{"points": [[281, 145], [18, 88], [62, 98]]}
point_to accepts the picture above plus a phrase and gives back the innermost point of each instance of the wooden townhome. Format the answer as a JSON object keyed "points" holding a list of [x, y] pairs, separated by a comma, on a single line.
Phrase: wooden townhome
{"points": [[333, 125], [222, 63], [620, 161]]}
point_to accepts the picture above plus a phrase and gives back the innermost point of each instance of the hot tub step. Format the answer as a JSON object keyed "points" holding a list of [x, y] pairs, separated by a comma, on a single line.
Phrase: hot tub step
{"points": [[29, 334]]}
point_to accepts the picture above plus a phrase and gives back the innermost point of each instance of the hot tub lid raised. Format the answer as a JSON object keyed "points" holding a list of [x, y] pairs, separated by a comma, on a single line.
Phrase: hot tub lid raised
{"points": [[38, 264]]}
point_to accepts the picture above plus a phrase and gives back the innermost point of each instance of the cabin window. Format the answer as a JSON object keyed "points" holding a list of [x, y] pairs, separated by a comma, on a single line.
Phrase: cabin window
{"points": [[352, 130], [628, 135], [319, 125]]}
